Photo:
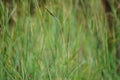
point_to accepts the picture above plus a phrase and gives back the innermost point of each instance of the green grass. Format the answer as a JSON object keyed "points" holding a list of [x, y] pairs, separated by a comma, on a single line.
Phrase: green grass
{"points": [[60, 43]]}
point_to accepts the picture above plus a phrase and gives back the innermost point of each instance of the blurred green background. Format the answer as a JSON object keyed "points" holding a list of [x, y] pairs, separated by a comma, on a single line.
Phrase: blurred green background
{"points": [[57, 40]]}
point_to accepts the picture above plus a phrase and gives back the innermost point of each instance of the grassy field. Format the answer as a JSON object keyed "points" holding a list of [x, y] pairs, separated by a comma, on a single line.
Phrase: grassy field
{"points": [[61, 41]]}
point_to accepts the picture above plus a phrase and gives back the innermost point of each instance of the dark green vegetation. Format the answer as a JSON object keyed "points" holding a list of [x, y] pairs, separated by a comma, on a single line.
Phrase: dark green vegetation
{"points": [[58, 40]]}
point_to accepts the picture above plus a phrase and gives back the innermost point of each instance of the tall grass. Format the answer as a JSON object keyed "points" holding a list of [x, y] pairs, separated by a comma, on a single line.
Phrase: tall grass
{"points": [[63, 41]]}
